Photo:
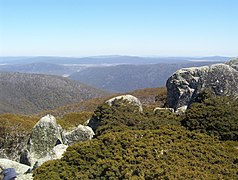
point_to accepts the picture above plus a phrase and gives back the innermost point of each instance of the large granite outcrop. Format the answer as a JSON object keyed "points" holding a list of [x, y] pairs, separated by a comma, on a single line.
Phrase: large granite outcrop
{"points": [[185, 84], [48, 141], [45, 135]]}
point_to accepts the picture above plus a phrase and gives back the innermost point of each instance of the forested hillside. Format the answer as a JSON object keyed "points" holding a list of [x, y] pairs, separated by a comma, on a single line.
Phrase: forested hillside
{"points": [[32, 93]]}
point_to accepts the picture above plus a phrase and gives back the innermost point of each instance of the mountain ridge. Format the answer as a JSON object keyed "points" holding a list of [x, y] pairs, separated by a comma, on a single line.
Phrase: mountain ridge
{"points": [[104, 59], [32, 93]]}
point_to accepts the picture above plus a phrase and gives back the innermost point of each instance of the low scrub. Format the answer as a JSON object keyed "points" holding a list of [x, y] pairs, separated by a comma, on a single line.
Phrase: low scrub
{"points": [[171, 152], [72, 120], [215, 116], [122, 116]]}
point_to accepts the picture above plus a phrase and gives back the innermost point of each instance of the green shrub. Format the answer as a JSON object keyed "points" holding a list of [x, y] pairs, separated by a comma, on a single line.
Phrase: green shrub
{"points": [[215, 116], [122, 116], [134, 145], [170, 152]]}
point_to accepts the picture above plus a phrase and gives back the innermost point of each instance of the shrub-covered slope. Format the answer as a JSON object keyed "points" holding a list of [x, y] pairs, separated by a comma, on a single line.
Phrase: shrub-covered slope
{"points": [[134, 145], [14, 128], [168, 153], [122, 116]]}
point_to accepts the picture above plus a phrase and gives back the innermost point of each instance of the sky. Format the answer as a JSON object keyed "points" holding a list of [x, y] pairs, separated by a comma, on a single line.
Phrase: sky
{"points": [[118, 27]]}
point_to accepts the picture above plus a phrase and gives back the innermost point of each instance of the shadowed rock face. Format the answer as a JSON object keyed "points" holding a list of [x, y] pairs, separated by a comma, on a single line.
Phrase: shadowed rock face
{"points": [[185, 84]]}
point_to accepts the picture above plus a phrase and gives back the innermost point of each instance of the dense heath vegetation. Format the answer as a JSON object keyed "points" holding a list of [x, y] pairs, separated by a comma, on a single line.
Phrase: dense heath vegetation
{"points": [[74, 119], [133, 145], [214, 115], [122, 116], [168, 153]]}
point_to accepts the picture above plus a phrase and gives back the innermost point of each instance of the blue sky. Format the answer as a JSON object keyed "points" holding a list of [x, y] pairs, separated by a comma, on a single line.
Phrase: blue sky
{"points": [[118, 27]]}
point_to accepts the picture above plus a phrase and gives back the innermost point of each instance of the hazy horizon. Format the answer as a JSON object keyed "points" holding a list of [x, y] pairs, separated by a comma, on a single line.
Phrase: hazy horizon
{"points": [[152, 28], [110, 55]]}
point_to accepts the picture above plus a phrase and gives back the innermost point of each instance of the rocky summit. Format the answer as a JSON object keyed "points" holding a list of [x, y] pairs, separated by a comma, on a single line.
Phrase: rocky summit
{"points": [[185, 84]]}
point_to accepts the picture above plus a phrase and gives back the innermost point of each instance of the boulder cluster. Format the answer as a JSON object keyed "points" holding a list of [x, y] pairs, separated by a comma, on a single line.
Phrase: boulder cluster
{"points": [[47, 141]]}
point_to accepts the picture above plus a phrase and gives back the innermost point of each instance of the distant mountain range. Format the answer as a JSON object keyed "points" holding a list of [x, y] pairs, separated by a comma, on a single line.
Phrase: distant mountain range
{"points": [[33, 93], [111, 73], [106, 60], [39, 68], [125, 78]]}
